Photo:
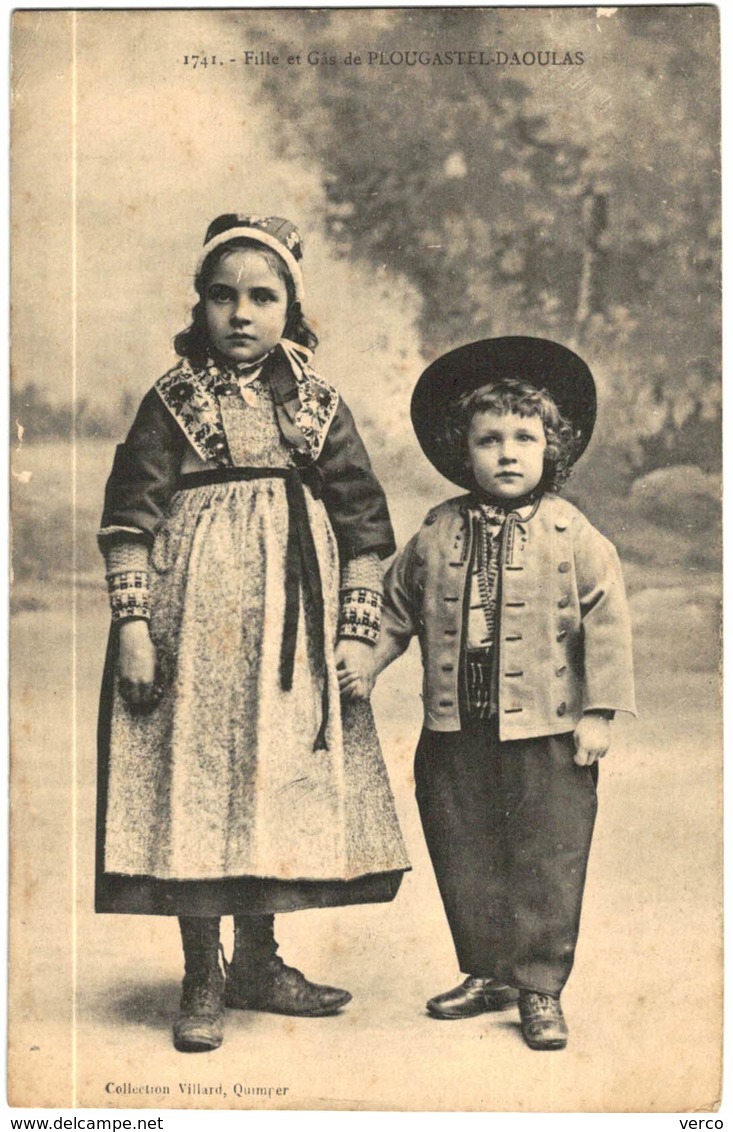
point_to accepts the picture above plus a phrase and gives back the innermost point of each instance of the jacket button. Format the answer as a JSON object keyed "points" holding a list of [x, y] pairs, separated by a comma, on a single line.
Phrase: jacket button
{"points": [[563, 603], [561, 670], [561, 526], [562, 708], [430, 519], [564, 567], [562, 635]]}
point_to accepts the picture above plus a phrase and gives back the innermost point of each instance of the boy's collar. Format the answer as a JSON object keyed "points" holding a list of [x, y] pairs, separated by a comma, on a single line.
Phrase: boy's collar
{"points": [[480, 500]]}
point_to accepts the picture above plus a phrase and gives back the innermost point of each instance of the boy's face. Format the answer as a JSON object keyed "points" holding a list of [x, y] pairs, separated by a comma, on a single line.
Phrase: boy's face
{"points": [[246, 306], [506, 453]]}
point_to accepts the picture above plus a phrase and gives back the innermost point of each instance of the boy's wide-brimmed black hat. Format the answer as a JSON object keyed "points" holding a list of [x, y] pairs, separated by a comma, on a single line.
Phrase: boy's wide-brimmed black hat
{"points": [[539, 361]]}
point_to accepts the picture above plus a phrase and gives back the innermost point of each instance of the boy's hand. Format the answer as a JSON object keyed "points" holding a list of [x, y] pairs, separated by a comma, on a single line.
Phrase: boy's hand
{"points": [[355, 668], [137, 665], [592, 739]]}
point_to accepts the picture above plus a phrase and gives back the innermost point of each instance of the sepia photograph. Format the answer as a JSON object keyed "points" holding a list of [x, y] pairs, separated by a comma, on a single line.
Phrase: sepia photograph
{"points": [[366, 554]]}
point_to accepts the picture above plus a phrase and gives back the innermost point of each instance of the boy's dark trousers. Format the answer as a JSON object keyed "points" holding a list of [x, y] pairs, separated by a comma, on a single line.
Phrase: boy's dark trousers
{"points": [[509, 828]]}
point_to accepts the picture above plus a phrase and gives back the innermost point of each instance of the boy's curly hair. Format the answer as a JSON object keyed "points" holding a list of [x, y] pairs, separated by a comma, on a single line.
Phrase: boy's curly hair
{"points": [[513, 395], [193, 342]]}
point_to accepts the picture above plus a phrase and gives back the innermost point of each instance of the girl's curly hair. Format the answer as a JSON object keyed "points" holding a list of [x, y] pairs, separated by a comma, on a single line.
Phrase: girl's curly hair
{"points": [[513, 395], [193, 342]]}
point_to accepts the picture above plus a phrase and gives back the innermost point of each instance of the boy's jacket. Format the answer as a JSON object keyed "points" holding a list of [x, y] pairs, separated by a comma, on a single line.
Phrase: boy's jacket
{"points": [[564, 636]]}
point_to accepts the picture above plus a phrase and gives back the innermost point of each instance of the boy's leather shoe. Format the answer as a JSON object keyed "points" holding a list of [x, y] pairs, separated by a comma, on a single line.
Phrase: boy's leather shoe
{"points": [[543, 1024], [280, 989], [476, 995]]}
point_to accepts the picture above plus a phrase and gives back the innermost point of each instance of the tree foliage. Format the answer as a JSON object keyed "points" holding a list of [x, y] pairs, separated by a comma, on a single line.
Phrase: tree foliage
{"points": [[577, 202]]}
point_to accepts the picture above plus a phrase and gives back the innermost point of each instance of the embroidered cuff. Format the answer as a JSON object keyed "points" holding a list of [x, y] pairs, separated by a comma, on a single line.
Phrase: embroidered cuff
{"points": [[363, 572], [124, 557], [361, 614], [129, 595]]}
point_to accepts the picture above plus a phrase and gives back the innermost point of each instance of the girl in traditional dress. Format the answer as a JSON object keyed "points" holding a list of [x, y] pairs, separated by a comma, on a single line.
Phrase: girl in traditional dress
{"points": [[243, 529]]}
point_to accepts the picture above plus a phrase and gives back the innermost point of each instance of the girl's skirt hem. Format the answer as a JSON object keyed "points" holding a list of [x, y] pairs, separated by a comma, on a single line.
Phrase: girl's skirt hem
{"points": [[237, 896]]}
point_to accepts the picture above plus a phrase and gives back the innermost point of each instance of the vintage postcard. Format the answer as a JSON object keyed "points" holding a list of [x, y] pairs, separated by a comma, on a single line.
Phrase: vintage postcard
{"points": [[297, 296]]}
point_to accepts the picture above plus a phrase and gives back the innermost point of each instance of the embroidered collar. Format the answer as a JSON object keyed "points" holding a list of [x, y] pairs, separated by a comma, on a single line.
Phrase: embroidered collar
{"points": [[318, 400], [305, 404]]}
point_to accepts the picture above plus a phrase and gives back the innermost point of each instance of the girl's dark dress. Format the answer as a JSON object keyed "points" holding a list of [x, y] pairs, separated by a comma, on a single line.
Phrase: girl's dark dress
{"points": [[217, 801]]}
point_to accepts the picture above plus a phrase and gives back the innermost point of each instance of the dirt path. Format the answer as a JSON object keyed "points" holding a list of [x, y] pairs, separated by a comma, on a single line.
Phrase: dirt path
{"points": [[642, 1002]]}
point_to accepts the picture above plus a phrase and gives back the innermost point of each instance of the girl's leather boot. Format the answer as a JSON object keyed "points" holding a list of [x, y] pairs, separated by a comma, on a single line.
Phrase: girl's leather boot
{"points": [[258, 979], [199, 1026]]}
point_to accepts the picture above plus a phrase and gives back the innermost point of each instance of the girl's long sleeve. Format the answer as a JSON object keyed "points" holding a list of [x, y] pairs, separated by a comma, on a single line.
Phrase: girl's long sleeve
{"points": [[354, 499], [357, 509], [143, 476], [137, 493]]}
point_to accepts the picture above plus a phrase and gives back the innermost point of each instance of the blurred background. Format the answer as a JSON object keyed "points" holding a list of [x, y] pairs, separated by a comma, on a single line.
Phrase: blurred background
{"points": [[439, 204]]}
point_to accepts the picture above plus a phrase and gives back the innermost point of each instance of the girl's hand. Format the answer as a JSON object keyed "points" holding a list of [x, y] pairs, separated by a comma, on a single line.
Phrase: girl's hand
{"points": [[137, 665], [355, 669], [592, 739]]}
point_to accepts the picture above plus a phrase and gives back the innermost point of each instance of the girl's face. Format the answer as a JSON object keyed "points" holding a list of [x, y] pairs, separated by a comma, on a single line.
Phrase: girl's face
{"points": [[507, 453], [246, 306]]}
